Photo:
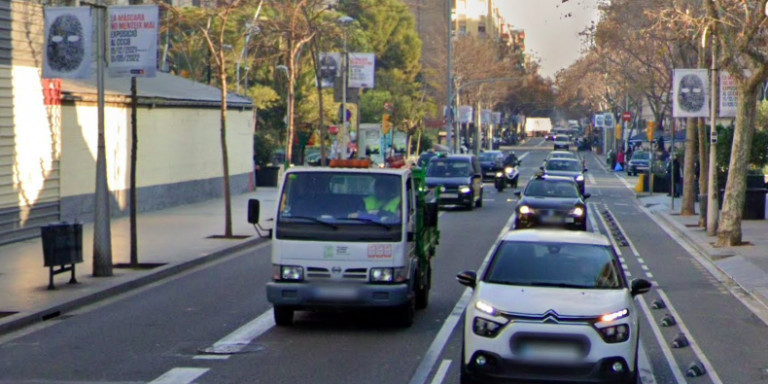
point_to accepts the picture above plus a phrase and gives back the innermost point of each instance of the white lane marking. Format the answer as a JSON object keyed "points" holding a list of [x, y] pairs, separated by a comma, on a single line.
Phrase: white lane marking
{"points": [[488, 200], [679, 377], [626, 236], [644, 366], [624, 181], [541, 143], [691, 340], [421, 374], [610, 238], [627, 273], [699, 353], [622, 260], [600, 163], [640, 259], [442, 370], [241, 337], [180, 376], [523, 156], [650, 275], [591, 216], [591, 178], [210, 357]]}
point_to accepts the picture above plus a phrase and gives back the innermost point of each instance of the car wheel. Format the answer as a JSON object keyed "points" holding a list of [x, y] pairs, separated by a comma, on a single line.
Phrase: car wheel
{"points": [[405, 314], [283, 316], [471, 203], [479, 202]]}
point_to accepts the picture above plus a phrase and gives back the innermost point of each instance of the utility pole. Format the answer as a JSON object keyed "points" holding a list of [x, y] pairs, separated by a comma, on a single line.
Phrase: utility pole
{"points": [[712, 204], [102, 234], [449, 77]]}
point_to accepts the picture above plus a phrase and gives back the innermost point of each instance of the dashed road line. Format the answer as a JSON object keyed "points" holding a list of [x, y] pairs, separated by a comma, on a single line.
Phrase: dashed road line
{"points": [[442, 370], [180, 376], [241, 337]]}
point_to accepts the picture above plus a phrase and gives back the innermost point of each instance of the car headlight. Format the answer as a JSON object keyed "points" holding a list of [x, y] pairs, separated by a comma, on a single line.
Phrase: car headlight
{"points": [[525, 210], [486, 308], [291, 272], [464, 189], [509, 169], [580, 178], [613, 316], [486, 328], [615, 333], [578, 211], [499, 174], [442, 188]]}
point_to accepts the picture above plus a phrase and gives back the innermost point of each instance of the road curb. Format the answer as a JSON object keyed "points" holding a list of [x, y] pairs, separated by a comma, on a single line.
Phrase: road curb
{"points": [[21, 320], [710, 257]]}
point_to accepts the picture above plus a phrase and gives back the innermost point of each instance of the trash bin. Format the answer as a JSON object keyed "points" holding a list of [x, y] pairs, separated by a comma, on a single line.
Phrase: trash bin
{"points": [[62, 248], [267, 176], [62, 244], [755, 200]]}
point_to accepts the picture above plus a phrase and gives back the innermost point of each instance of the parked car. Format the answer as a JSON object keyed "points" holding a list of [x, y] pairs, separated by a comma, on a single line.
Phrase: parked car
{"points": [[460, 179], [551, 306], [640, 162]]}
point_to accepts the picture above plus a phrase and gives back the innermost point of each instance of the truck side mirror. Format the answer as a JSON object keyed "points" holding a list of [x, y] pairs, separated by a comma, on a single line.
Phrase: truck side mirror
{"points": [[253, 211]]}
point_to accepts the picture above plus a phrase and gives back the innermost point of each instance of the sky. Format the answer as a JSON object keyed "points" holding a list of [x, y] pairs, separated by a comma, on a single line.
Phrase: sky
{"points": [[550, 34]]}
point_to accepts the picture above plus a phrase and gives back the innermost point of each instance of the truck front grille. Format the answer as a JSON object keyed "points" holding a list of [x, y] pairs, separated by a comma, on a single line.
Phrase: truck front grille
{"points": [[352, 274]]}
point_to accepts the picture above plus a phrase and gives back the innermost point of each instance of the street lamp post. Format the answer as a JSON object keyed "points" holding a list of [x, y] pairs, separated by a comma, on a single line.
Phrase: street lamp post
{"points": [[288, 114], [344, 21], [712, 205], [250, 29]]}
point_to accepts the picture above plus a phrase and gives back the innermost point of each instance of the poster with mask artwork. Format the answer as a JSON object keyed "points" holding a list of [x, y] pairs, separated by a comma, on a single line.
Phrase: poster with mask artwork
{"points": [[68, 43], [690, 93]]}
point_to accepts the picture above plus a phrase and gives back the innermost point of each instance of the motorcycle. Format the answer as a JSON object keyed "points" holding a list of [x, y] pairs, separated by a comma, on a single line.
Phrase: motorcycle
{"points": [[511, 175], [500, 182]]}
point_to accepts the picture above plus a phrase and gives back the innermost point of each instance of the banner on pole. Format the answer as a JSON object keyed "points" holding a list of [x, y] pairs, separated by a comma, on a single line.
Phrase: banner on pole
{"points": [[133, 40], [690, 93], [729, 96], [361, 70], [68, 50], [487, 116], [466, 114], [599, 121], [330, 67], [497, 118]]}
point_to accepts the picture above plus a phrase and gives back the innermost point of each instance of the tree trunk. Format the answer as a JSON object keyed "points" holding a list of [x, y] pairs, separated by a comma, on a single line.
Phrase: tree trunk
{"points": [[689, 180], [224, 152], [290, 134], [729, 226], [703, 169]]}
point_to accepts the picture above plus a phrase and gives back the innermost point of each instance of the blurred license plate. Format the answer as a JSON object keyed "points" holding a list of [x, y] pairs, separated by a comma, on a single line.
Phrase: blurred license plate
{"points": [[550, 351], [337, 292], [551, 219], [569, 220]]}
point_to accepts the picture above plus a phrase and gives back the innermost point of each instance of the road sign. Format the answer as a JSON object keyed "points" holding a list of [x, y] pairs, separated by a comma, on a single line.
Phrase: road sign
{"points": [[626, 116]]}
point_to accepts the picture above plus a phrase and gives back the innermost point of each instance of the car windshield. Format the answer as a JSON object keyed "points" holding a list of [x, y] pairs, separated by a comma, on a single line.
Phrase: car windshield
{"points": [[554, 265], [562, 137], [334, 197], [449, 168], [563, 165], [488, 156], [551, 188], [641, 156], [562, 155]]}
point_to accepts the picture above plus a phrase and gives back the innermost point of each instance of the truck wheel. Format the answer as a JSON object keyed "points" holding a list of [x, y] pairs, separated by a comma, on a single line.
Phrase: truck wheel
{"points": [[479, 202], [283, 316], [422, 293]]}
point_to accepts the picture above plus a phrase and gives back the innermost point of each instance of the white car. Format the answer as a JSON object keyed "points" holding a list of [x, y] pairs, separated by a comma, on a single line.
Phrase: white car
{"points": [[551, 306]]}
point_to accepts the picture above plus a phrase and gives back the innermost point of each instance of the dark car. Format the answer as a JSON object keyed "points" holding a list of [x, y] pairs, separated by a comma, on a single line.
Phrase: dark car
{"points": [[572, 168], [491, 163], [425, 158], [551, 201], [640, 162], [460, 179]]}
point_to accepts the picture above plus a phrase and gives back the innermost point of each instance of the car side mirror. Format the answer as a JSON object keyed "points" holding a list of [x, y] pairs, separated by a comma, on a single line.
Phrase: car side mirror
{"points": [[254, 206], [585, 169], [586, 195], [640, 286], [518, 193], [467, 278], [541, 167], [519, 162]]}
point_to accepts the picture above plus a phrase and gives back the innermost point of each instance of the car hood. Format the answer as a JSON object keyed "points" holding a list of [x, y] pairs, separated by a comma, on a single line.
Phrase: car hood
{"points": [[488, 164], [448, 181], [549, 202], [564, 301]]}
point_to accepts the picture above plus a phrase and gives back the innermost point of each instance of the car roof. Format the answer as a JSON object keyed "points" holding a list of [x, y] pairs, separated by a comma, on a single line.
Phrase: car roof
{"points": [[556, 236], [379, 171], [554, 153], [546, 177], [560, 159], [458, 156]]}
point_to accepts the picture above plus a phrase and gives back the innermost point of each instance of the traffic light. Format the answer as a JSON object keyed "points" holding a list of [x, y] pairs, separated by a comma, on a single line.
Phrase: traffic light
{"points": [[386, 124], [650, 130]]}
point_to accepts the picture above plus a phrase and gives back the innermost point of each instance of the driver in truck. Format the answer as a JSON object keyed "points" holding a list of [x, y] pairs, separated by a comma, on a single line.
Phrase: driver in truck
{"points": [[385, 199]]}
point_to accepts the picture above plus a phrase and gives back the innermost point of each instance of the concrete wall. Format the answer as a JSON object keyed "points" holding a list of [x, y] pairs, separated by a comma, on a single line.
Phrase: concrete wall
{"points": [[179, 157]]}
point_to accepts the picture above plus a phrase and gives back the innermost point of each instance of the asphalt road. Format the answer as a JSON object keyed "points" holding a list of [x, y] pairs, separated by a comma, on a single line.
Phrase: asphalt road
{"points": [[157, 334]]}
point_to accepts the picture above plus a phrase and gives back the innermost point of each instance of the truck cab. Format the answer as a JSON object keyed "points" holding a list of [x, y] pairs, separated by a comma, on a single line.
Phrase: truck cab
{"points": [[348, 237]]}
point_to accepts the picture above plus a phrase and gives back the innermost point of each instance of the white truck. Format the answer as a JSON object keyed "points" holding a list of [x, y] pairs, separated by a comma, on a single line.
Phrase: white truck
{"points": [[351, 236]]}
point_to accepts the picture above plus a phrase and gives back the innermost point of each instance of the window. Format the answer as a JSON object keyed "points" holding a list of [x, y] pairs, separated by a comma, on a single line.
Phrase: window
{"points": [[481, 28]]}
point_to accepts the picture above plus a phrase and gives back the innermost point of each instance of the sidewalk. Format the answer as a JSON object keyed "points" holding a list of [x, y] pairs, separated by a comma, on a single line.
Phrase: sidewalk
{"points": [[176, 238]]}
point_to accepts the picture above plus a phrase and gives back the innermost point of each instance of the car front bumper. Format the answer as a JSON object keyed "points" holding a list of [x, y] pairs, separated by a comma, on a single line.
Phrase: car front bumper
{"points": [[500, 370], [308, 295], [536, 221], [455, 198]]}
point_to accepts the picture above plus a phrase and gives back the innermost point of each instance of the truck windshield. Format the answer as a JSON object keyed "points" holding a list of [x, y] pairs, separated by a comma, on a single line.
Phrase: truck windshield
{"points": [[340, 205]]}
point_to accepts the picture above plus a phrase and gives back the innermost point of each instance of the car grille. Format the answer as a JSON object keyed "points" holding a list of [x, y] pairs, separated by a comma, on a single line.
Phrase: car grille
{"points": [[521, 340], [549, 317], [351, 274]]}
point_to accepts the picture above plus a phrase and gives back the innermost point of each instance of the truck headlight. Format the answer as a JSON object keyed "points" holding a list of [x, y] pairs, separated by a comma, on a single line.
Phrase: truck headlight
{"points": [[464, 189], [382, 275], [291, 272], [580, 178]]}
